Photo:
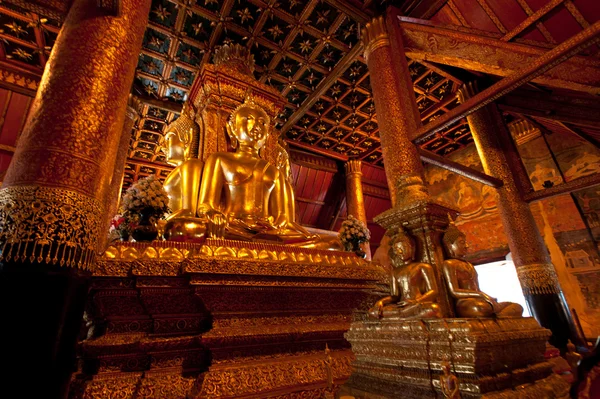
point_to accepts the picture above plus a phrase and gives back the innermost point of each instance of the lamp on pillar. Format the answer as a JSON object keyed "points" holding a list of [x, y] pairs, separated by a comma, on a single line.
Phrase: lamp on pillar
{"points": [[53, 199], [534, 268], [355, 202]]}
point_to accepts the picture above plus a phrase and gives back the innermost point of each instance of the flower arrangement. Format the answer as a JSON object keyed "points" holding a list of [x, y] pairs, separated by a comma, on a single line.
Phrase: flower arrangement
{"points": [[120, 228], [353, 233], [143, 194]]}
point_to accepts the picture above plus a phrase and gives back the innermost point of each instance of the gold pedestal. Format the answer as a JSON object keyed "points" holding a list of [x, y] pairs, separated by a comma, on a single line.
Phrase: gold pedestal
{"points": [[222, 319], [492, 358]]}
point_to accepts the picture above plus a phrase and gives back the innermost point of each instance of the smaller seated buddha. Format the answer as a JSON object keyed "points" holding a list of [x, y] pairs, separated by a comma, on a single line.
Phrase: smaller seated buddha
{"points": [[183, 183], [463, 285], [413, 288]]}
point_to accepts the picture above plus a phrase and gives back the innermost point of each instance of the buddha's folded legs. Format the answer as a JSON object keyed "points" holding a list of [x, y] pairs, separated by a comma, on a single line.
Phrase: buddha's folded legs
{"points": [[418, 310], [473, 307], [509, 309]]}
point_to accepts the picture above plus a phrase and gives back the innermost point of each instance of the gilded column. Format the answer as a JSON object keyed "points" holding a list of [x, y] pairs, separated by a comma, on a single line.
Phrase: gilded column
{"points": [[397, 113], [535, 270], [52, 202], [398, 118], [355, 202]]}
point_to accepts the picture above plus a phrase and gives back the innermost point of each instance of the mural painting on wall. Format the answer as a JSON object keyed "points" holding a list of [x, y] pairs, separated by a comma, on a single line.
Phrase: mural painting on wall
{"points": [[575, 157], [570, 215], [589, 203], [589, 283], [479, 217]]}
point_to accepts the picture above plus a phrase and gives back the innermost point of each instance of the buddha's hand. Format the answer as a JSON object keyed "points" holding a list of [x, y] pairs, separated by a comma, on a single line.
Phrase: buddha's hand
{"points": [[216, 224], [376, 312], [266, 223]]}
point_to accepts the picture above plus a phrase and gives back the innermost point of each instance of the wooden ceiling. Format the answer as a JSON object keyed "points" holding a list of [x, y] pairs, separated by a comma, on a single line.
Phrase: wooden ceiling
{"points": [[311, 52]]}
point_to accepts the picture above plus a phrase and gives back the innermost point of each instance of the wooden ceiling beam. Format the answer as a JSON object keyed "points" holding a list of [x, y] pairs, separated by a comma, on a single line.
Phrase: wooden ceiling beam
{"points": [[149, 164], [537, 67], [564, 188], [581, 134], [166, 104], [445, 163], [359, 15], [424, 9], [564, 108], [424, 41], [532, 19], [55, 9]]}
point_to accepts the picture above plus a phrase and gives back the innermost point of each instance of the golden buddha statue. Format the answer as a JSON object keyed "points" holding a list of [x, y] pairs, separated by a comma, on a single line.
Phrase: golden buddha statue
{"points": [[183, 183], [413, 287], [242, 196], [463, 285]]}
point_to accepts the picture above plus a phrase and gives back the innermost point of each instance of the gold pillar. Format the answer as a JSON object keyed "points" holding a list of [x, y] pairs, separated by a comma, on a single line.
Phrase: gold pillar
{"points": [[355, 201], [53, 196], [397, 113], [398, 119], [52, 202], [534, 268]]}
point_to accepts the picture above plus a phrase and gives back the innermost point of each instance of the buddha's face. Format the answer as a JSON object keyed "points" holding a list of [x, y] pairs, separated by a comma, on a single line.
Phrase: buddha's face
{"points": [[459, 247], [251, 127], [403, 250], [175, 149]]}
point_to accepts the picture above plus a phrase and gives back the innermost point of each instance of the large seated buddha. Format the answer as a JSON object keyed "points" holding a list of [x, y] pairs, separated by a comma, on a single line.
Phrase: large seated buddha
{"points": [[242, 196]]}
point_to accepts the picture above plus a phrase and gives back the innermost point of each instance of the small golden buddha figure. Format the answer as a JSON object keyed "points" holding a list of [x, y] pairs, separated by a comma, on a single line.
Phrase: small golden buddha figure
{"points": [[449, 383], [463, 284], [183, 183], [243, 196], [573, 358], [413, 287]]}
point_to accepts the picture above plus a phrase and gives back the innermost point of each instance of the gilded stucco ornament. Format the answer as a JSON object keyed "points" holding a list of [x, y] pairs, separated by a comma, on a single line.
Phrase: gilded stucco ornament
{"points": [[49, 225]]}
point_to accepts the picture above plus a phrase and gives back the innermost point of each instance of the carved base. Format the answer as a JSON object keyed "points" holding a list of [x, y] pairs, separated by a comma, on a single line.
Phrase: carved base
{"points": [[490, 357], [196, 321]]}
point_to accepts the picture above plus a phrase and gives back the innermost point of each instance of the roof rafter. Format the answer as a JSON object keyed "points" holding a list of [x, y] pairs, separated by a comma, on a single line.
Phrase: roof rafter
{"points": [[424, 41]]}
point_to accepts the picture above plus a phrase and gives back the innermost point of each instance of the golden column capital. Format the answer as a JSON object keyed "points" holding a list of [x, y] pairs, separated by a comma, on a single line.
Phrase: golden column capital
{"points": [[466, 91], [375, 35], [353, 166]]}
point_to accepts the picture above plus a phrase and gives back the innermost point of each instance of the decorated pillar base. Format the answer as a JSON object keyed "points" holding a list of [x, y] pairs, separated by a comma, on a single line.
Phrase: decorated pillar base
{"points": [[491, 358]]}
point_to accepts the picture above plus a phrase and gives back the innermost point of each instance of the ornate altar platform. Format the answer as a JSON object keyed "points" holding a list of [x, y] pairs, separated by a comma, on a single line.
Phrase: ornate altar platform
{"points": [[491, 358], [221, 319]]}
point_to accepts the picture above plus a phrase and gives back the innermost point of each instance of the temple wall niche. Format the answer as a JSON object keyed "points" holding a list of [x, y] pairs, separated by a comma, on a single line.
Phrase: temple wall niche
{"points": [[569, 223]]}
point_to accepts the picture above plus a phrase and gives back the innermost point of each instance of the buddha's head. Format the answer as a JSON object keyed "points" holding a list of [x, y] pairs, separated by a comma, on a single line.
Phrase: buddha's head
{"points": [[402, 248], [455, 242], [180, 137], [248, 125]]}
